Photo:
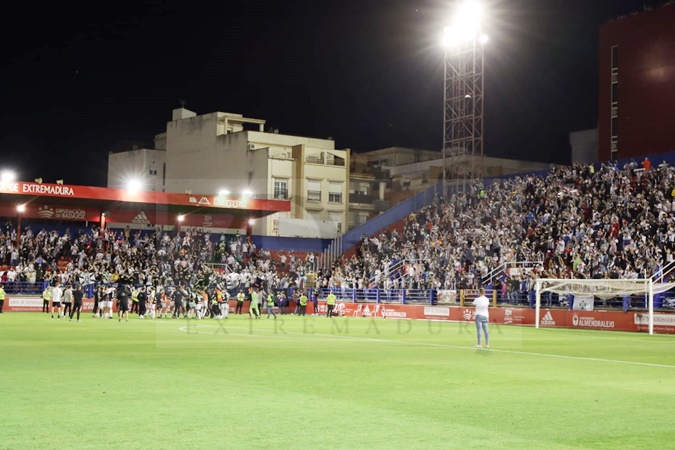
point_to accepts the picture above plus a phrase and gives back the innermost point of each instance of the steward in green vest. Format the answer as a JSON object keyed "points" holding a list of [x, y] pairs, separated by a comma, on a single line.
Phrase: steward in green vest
{"points": [[270, 305], [303, 305], [46, 298], [2, 298], [330, 304]]}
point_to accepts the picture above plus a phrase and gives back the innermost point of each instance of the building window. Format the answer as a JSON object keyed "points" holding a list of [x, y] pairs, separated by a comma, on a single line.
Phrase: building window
{"points": [[615, 127], [615, 93], [615, 58], [337, 217], [153, 171], [280, 189], [314, 215], [314, 190], [335, 192]]}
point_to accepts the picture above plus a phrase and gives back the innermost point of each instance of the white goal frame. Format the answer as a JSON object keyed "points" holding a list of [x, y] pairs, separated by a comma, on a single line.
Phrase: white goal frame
{"points": [[602, 287]]}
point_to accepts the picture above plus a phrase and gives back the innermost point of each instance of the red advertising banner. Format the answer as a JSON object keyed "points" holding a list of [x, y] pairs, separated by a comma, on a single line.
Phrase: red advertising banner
{"points": [[34, 304], [593, 320], [124, 195], [152, 218], [52, 212]]}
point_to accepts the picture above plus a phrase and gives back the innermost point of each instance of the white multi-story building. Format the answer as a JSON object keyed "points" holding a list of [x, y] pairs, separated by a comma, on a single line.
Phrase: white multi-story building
{"points": [[144, 166], [228, 154]]}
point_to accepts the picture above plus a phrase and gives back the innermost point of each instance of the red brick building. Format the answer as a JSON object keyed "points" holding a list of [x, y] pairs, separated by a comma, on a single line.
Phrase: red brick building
{"points": [[637, 85]]}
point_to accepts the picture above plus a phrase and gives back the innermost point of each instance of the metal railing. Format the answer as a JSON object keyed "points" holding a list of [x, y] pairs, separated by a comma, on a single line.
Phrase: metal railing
{"points": [[24, 287], [663, 272], [508, 299], [499, 270]]}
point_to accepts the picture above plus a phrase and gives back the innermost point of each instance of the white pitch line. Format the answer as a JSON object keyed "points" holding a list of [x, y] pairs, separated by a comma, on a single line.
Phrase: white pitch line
{"points": [[455, 347]]}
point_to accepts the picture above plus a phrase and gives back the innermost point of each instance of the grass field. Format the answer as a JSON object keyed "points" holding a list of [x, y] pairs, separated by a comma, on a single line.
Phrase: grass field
{"points": [[322, 383]]}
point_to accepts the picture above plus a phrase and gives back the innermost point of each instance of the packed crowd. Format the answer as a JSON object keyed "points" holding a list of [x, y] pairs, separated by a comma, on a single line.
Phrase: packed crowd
{"points": [[193, 258], [574, 222]]}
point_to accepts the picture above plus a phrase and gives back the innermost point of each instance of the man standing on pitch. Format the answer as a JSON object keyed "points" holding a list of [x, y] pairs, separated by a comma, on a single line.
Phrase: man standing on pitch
{"points": [[315, 302], [177, 297], [46, 299], [240, 302], [98, 300], [302, 304], [67, 301], [330, 304], [482, 317], [2, 298], [270, 305], [57, 293], [77, 302], [142, 298], [123, 303], [253, 308]]}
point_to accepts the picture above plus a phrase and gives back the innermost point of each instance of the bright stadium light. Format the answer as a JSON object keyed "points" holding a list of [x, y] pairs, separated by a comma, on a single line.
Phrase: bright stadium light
{"points": [[224, 192], [8, 175], [134, 185], [251, 222], [180, 218], [247, 193], [465, 24], [21, 208]]}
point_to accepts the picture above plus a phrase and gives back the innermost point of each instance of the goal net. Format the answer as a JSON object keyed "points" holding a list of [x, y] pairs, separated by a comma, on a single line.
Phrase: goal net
{"points": [[603, 288]]}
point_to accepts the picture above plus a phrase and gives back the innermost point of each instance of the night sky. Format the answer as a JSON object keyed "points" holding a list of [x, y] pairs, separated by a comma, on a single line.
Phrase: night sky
{"points": [[78, 79]]}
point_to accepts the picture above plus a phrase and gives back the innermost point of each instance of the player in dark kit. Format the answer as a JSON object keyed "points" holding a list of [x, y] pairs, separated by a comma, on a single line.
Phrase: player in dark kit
{"points": [[142, 298], [123, 303], [177, 302], [78, 295], [98, 299]]}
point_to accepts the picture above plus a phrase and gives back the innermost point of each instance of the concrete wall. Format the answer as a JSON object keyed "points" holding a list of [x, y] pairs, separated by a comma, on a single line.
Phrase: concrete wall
{"points": [[584, 146], [203, 162], [145, 165], [212, 152]]}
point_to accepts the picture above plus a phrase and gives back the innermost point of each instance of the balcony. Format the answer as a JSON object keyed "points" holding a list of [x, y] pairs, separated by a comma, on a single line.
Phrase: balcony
{"points": [[362, 198], [329, 161]]}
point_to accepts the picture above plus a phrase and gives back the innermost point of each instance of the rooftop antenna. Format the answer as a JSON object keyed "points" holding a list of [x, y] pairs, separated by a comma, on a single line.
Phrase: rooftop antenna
{"points": [[182, 103]]}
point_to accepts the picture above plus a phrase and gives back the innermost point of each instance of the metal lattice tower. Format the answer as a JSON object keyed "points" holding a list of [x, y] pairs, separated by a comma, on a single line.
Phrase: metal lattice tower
{"points": [[463, 113]]}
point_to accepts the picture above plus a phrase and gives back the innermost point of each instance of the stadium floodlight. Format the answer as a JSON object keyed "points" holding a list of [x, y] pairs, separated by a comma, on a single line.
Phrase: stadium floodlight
{"points": [[463, 41], [247, 193], [180, 218], [8, 175], [465, 24], [134, 185], [21, 208], [224, 192], [251, 222]]}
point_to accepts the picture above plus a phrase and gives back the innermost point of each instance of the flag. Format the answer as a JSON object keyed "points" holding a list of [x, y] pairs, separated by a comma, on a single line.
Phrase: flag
{"points": [[583, 303]]}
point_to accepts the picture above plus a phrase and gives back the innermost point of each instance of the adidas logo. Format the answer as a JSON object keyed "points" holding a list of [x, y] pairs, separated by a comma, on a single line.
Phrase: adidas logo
{"points": [[547, 319], [141, 219]]}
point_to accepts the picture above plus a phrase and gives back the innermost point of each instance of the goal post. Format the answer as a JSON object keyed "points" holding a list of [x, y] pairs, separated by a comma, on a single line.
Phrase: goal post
{"points": [[602, 288]]}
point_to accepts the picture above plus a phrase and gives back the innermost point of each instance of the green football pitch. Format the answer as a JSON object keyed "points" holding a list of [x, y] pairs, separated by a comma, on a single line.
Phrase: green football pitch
{"points": [[313, 382]]}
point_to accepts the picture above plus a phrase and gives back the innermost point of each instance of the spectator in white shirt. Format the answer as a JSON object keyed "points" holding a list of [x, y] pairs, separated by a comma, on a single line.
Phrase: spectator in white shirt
{"points": [[482, 317]]}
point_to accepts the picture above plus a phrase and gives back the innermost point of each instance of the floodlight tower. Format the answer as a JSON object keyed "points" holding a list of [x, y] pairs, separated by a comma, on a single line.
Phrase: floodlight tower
{"points": [[463, 85]]}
